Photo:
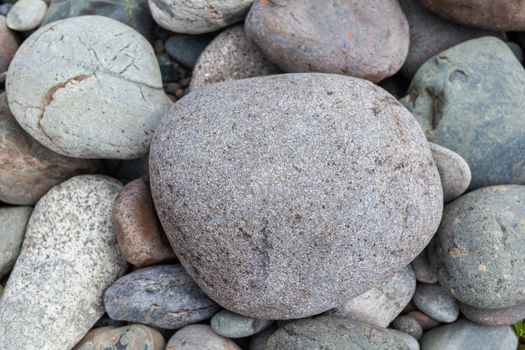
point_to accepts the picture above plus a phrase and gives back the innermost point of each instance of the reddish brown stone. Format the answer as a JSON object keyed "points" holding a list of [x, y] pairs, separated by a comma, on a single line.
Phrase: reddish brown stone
{"points": [[139, 233], [8, 43], [425, 321]]}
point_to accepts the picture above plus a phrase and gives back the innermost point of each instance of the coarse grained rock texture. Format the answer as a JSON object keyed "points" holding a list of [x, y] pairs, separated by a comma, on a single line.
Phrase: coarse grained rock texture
{"points": [[332, 36], [68, 259], [284, 195], [87, 87]]}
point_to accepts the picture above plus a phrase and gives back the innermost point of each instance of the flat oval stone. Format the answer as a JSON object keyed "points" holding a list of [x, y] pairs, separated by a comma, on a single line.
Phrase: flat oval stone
{"points": [[489, 14], [139, 234], [230, 56], [436, 302], [321, 192], [328, 332], [333, 36], [199, 337], [26, 15], [14, 221], [98, 97], [454, 172], [382, 304], [132, 337], [9, 45], [422, 269], [163, 296], [470, 99], [70, 242], [465, 335], [232, 325], [479, 245], [494, 317], [408, 325], [198, 16], [431, 34], [29, 169]]}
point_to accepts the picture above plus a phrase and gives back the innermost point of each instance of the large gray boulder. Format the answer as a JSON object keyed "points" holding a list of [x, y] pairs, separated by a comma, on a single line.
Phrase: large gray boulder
{"points": [[284, 195]]}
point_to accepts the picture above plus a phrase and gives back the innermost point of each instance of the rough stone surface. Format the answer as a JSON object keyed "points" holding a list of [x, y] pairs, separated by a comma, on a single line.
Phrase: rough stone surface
{"points": [[139, 234], [488, 14], [198, 16], [494, 317], [132, 337], [99, 96], [230, 56], [260, 340], [425, 321], [329, 332], [382, 304], [8, 43], [470, 99], [70, 241], [454, 172], [199, 337], [431, 34], [26, 15], [232, 325], [12, 230], [335, 188], [333, 36], [134, 13], [163, 296], [436, 302], [408, 325], [29, 169], [478, 251], [422, 269], [465, 335]]}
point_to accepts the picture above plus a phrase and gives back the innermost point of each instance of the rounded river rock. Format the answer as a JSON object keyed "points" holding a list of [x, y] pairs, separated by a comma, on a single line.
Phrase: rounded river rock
{"points": [[284, 195]]}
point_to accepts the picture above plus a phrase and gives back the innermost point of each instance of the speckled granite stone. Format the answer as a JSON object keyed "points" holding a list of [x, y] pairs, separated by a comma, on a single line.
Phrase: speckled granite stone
{"points": [[284, 195]]}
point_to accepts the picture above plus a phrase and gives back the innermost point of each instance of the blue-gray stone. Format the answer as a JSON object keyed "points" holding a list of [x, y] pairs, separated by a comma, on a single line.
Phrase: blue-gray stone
{"points": [[436, 302], [465, 335], [163, 296], [409, 325], [167, 69], [470, 99], [186, 49], [232, 325]]}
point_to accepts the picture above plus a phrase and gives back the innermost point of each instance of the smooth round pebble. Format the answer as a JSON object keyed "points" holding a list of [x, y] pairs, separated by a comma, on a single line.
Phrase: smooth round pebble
{"points": [[132, 337], [97, 97], [408, 325], [8, 43], [163, 296], [425, 321], [230, 56], [232, 325], [478, 249], [436, 302], [26, 15], [454, 172], [331, 36], [199, 337], [323, 208], [14, 221], [494, 317], [382, 304], [422, 269], [139, 234], [198, 16]]}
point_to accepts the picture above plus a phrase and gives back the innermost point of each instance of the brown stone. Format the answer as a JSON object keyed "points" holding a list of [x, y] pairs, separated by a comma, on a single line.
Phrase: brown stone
{"points": [[364, 39], [139, 233], [27, 169], [424, 320], [488, 14], [8, 45]]}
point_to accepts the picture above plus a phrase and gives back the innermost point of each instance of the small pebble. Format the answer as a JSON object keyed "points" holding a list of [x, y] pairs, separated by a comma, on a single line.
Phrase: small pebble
{"points": [[26, 15], [408, 325], [454, 172], [132, 337], [199, 337], [232, 325], [425, 321], [436, 302], [494, 317], [423, 270]]}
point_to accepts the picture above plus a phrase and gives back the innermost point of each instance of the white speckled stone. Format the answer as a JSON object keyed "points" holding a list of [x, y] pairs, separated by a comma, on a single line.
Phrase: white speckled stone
{"points": [[87, 87], [68, 259], [382, 304], [198, 16], [453, 170], [26, 15], [13, 222]]}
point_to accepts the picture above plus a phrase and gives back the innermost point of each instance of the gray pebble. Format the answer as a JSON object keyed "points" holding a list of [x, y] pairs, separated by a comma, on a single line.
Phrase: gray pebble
{"points": [[232, 325], [26, 15], [12, 230], [436, 302], [454, 172], [199, 337], [422, 268], [408, 325], [494, 317]]}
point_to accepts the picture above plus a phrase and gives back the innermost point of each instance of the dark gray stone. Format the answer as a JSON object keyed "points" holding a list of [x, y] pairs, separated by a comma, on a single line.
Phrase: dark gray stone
{"points": [[479, 248], [332, 36], [260, 340], [186, 49], [431, 34], [163, 296], [408, 325], [423, 270], [516, 50], [330, 332], [494, 317], [470, 99], [232, 325], [335, 189], [436, 302], [454, 172], [465, 335]]}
